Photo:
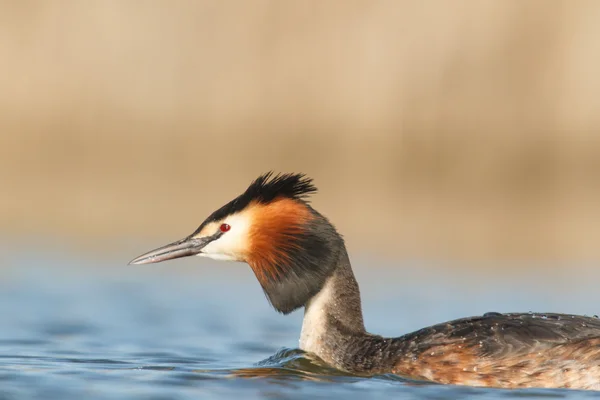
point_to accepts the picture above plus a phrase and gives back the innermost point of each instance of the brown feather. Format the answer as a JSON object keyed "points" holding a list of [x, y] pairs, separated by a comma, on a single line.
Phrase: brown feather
{"points": [[569, 365], [272, 236]]}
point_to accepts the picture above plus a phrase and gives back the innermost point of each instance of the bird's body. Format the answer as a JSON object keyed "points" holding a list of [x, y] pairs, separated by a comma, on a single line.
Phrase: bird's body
{"points": [[301, 261], [493, 350]]}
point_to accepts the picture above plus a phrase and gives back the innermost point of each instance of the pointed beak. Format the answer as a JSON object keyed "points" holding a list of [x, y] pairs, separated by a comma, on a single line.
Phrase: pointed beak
{"points": [[182, 248]]}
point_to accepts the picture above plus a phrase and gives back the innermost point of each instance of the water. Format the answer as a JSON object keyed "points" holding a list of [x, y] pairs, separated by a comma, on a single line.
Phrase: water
{"points": [[80, 327]]}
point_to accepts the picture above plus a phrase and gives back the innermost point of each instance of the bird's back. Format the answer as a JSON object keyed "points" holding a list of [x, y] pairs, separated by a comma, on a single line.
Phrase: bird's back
{"points": [[505, 350]]}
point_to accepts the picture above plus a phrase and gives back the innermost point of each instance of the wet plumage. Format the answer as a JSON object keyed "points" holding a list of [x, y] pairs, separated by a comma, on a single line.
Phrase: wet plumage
{"points": [[506, 350]]}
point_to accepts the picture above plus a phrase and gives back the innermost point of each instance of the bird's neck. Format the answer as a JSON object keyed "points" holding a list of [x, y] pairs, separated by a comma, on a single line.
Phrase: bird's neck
{"points": [[333, 317]]}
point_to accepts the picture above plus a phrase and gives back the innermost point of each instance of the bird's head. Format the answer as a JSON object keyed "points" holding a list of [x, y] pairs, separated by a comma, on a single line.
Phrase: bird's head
{"points": [[291, 248]]}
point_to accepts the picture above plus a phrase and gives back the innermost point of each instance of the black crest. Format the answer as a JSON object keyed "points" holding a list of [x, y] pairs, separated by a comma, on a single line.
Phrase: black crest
{"points": [[265, 189], [268, 187]]}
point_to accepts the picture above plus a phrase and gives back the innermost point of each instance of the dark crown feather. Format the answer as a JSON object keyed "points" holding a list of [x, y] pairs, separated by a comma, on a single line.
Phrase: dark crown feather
{"points": [[265, 189], [268, 187]]}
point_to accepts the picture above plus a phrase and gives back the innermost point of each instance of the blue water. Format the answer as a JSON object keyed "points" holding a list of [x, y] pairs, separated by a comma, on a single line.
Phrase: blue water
{"points": [[85, 326]]}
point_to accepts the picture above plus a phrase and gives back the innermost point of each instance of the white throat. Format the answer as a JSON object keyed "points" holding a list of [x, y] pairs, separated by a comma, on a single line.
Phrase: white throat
{"points": [[314, 325]]}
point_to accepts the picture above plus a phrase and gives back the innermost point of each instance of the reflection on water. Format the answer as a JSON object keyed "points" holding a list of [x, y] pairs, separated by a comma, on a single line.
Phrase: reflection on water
{"points": [[72, 330]]}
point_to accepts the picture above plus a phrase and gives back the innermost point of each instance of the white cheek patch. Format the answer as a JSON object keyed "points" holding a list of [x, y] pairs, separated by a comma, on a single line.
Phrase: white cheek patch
{"points": [[233, 244], [220, 257]]}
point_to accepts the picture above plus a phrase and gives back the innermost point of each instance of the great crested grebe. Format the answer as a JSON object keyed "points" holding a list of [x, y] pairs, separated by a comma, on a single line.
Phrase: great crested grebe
{"points": [[300, 260]]}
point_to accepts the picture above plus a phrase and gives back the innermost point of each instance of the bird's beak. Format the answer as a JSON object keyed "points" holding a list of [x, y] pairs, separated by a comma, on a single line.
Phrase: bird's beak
{"points": [[189, 246]]}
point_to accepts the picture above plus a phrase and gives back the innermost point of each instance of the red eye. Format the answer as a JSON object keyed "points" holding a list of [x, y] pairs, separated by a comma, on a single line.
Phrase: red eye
{"points": [[224, 227]]}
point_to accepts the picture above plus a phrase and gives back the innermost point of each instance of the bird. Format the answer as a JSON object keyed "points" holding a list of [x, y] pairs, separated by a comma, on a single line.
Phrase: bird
{"points": [[301, 261]]}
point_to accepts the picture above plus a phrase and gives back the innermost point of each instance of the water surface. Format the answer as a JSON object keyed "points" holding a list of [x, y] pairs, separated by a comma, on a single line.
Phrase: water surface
{"points": [[78, 327]]}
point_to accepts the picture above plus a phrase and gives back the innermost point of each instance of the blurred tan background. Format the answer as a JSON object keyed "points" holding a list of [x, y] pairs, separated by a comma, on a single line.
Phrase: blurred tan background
{"points": [[433, 129]]}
